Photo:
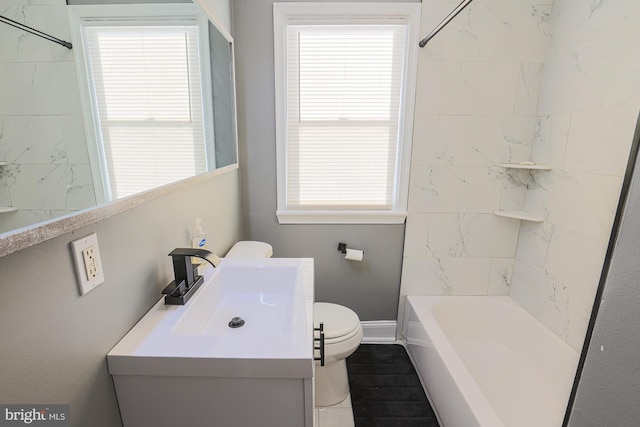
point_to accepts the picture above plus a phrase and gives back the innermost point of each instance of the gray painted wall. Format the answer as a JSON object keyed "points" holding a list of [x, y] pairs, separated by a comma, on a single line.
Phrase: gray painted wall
{"points": [[372, 287], [610, 384], [53, 342]]}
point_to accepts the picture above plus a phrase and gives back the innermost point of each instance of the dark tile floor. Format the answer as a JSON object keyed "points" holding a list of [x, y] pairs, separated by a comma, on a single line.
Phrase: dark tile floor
{"points": [[385, 389]]}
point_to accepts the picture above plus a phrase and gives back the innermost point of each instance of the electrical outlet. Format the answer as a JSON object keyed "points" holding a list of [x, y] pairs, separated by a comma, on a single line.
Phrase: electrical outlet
{"points": [[89, 258], [86, 258]]}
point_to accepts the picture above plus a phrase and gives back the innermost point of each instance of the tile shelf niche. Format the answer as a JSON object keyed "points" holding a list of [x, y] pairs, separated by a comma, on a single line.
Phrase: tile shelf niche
{"points": [[524, 216], [532, 166], [6, 209]]}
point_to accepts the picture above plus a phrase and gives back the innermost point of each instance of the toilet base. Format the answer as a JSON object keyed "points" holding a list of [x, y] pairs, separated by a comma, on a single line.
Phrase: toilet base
{"points": [[332, 383]]}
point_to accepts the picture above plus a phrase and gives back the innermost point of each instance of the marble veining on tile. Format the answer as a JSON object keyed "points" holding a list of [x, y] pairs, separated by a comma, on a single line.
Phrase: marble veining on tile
{"points": [[549, 81], [41, 132], [500, 277]]}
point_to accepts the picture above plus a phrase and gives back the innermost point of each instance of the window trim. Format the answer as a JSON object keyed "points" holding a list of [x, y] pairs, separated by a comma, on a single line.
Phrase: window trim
{"points": [[109, 14], [285, 14]]}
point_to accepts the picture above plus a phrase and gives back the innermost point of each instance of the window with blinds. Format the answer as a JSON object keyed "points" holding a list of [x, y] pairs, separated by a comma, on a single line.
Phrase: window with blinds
{"points": [[144, 73], [343, 115], [146, 82], [343, 109]]}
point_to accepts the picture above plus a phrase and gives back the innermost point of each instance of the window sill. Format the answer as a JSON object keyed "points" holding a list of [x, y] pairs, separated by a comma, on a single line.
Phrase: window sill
{"points": [[341, 217]]}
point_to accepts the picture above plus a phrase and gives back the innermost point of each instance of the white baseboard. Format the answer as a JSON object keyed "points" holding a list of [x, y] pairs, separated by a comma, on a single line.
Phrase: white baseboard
{"points": [[379, 331]]}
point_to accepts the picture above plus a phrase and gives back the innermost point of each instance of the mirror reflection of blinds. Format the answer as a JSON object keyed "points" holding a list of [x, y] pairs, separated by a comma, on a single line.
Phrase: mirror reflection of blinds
{"points": [[146, 82], [343, 111]]}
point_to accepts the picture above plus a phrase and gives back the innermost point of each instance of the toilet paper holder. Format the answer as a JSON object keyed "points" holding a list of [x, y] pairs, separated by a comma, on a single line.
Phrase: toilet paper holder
{"points": [[342, 247], [350, 253]]}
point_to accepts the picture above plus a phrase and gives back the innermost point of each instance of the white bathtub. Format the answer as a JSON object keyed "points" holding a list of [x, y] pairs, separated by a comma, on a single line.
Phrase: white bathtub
{"points": [[485, 362]]}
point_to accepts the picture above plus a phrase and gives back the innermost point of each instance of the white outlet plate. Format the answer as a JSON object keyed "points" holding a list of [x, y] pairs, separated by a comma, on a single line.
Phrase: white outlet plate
{"points": [[86, 258]]}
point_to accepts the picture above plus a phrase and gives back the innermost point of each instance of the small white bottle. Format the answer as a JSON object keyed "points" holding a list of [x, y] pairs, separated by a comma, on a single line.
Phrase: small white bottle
{"points": [[199, 240]]}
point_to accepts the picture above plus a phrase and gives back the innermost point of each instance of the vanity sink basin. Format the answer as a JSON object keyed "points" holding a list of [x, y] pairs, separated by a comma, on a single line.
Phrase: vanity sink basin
{"points": [[250, 318], [250, 311]]}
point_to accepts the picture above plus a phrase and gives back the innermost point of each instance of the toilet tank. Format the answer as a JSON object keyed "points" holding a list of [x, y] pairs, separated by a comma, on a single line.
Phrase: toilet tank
{"points": [[250, 249]]}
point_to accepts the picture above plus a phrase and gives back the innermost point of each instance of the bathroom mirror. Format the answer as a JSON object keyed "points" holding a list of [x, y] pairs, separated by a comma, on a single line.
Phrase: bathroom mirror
{"points": [[46, 176]]}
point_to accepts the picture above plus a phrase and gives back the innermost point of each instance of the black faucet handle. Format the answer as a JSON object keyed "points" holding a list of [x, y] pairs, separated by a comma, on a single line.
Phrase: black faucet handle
{"points": [[182, 266], [175, 289], [190, 252], [206, 255], [186, 280]]}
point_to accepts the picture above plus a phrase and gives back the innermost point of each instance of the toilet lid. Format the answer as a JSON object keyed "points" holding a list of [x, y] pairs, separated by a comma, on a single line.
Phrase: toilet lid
{"points": [[338, 320], [250, 249]]}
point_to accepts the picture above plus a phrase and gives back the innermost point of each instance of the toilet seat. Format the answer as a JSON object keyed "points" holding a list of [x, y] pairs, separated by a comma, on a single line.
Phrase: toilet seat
{"points": [[340, 323], [337, 340]]}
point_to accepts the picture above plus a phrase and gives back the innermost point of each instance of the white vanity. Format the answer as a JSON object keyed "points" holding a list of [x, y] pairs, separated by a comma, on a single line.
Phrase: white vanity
{"points": [[193, 365]]}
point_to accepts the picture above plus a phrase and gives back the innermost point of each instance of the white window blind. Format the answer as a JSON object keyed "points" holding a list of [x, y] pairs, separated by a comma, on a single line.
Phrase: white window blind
{"points": [[148, 96], [344, 97]]}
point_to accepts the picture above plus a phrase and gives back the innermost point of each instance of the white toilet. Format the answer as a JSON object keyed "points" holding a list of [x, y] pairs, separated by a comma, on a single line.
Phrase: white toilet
{"points": [[342, 334]]}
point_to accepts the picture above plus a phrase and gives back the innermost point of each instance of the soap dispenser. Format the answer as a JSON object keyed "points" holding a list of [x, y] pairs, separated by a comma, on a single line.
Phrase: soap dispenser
{"points": [[199, 240]]}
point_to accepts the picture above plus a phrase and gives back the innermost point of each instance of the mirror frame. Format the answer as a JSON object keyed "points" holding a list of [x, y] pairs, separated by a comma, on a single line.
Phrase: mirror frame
{"points": [[26, 237]]}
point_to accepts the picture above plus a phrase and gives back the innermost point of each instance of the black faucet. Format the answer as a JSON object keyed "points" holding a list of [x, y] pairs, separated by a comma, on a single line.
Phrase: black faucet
{"points": [[187, 281]]}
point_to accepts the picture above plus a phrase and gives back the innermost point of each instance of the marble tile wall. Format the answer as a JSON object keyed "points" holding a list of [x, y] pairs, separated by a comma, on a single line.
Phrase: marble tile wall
{"points": [[41, 131], [556, 82], [588, 108], [476, 107]]}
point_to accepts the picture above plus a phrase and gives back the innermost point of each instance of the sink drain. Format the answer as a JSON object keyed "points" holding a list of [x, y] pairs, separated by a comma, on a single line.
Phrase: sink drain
{"points": [[236, 322]]}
